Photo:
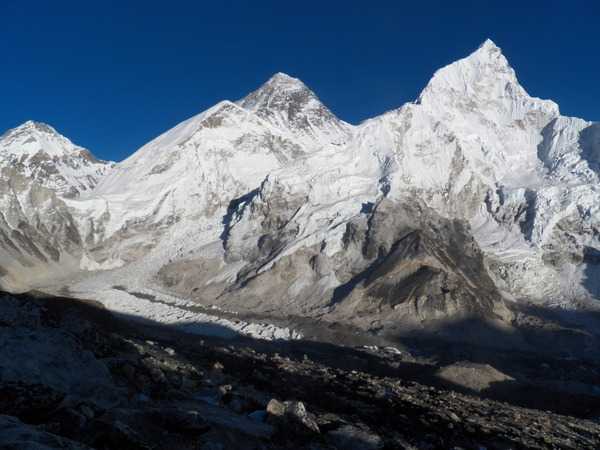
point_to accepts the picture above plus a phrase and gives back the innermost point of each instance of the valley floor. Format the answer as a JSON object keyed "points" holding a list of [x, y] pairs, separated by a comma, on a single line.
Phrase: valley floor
{"points": [[76, 376]]}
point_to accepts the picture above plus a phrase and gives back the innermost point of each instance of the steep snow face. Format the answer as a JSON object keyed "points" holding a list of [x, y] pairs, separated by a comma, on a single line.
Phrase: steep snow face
{"points": [[225, 137], [484, 82], [570, 150], [479, 105], [38, 152]]}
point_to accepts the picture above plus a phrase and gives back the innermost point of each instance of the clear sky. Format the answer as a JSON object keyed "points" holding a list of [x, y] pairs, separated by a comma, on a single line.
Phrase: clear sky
{"points": [[112, 75]]}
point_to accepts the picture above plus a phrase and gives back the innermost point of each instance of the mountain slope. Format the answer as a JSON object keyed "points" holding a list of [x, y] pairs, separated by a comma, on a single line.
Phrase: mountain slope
{"points": [[186, 180], [474, 196], [39, 171], [468, 149]]}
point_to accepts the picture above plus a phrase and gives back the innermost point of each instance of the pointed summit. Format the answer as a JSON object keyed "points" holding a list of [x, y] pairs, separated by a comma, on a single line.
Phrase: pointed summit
{"points": [[490, 53], [287, 103], [37, 126], [485, 66], [278, 93], [488, 44], [32, 136], [30, 127], [285, 81], [37, 151], [482, 81]]}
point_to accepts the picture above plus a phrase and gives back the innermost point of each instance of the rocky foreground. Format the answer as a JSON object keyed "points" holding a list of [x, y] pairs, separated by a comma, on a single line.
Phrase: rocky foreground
{"points": [[74, 376]]}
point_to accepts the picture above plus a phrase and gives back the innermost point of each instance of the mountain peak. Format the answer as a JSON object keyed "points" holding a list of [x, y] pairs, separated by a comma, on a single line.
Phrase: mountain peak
{"points": [[29, 127], [282, 82], [488, 44], [281, 78], [485, 72], [276, 93], [287, 103], [483, 81], [489, 53], [38, 152], [37, 126]]}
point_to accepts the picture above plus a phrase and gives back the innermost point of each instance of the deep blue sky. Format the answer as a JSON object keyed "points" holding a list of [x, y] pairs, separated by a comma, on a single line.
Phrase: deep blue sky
{"points": [[113, 75]]}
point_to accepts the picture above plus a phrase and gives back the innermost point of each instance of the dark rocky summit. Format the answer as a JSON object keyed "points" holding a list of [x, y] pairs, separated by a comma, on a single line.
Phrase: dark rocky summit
{"points": [[75, 376]]}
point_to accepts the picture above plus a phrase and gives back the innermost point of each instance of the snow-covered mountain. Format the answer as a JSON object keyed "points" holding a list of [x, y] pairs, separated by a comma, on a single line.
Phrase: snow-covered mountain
{"points": [[39, 169], [473, 197], [36, 151]]}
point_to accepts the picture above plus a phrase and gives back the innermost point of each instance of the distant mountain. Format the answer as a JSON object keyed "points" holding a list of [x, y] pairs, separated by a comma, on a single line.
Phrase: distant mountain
{"points": [[36, 151], [39, 171], [472, 199]]}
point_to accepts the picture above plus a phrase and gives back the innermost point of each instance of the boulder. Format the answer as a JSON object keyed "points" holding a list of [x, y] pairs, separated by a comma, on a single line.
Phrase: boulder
{"points": [[292, 414], [350, 437]]}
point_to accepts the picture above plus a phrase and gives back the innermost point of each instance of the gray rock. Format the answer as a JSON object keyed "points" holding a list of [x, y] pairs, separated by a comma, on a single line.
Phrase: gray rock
{"points": [[292, 413], [349, 437]]}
